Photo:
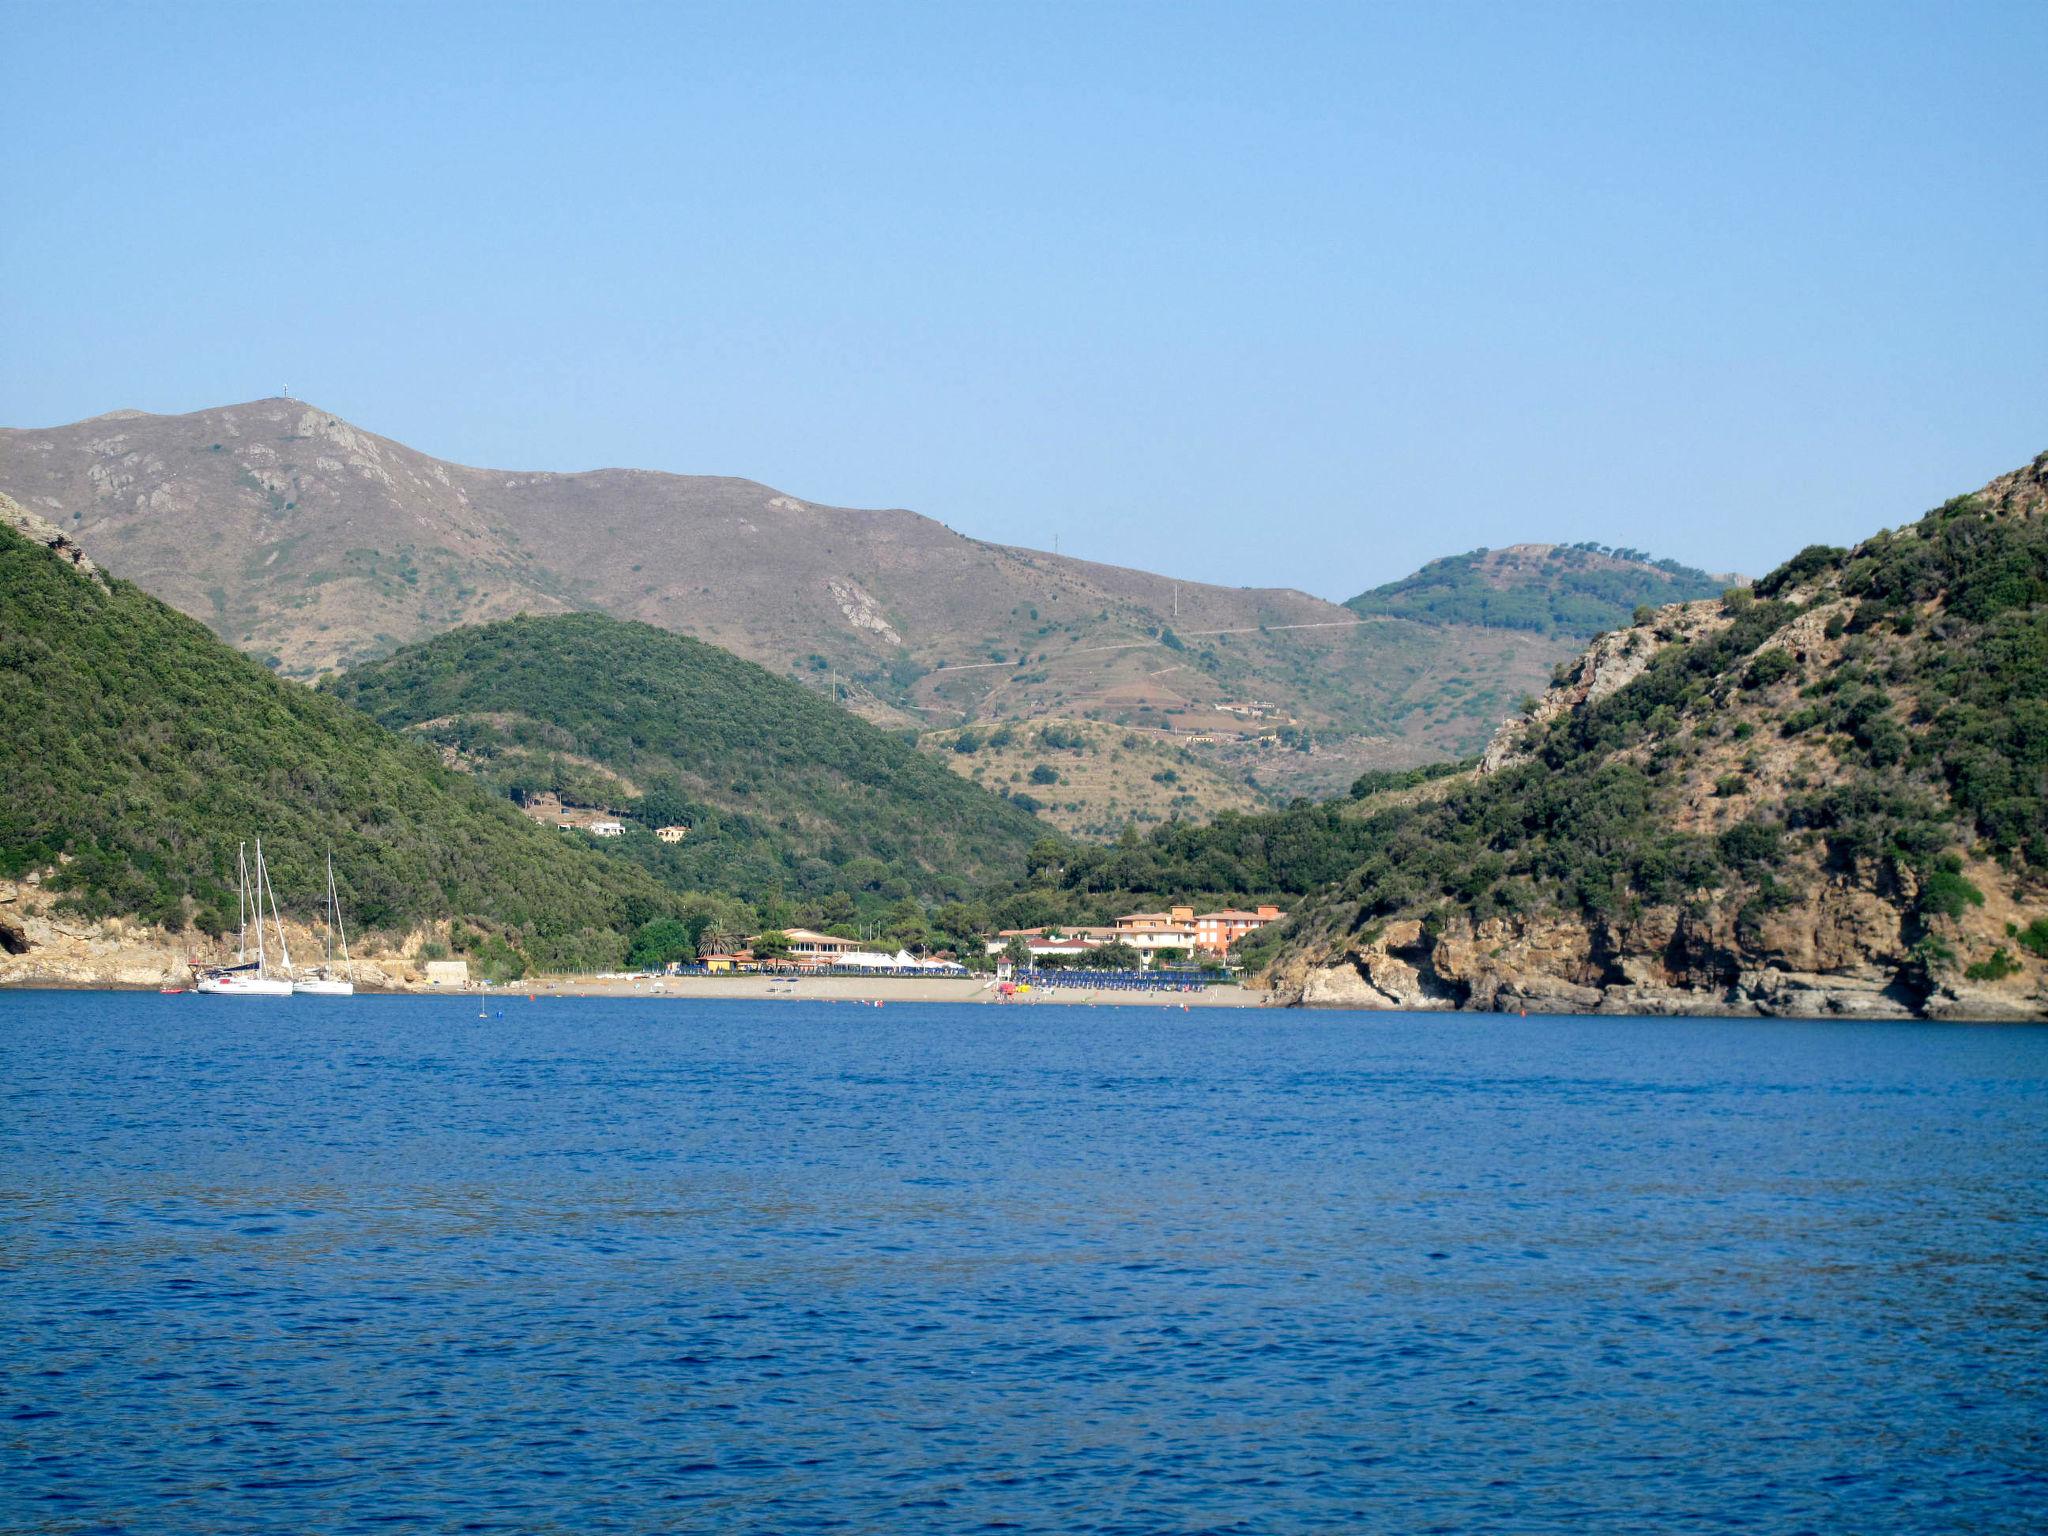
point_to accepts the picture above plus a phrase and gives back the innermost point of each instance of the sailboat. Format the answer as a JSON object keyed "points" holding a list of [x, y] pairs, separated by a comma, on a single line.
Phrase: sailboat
{"points": [[323, 980], [246, 977]]}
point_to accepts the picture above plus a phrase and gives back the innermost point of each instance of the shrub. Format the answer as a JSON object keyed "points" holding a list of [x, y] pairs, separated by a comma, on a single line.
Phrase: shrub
{"points": [[1771, 666], [1997, 968], [1946, 892]]}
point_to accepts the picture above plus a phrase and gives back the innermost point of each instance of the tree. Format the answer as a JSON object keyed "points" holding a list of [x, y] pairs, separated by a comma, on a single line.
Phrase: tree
{"points": [[772, 945], [1116, 955], [1018, 953], [659, 943], [1044, 773]]}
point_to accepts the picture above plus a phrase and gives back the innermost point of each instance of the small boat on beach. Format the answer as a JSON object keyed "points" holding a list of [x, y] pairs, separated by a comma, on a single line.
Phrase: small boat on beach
{"points": [[246, 977]]}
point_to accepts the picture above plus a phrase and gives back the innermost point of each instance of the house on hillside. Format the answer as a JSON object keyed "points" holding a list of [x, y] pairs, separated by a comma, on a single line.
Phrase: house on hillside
{"points": [[605, 828], [544, 806], [671, 834]]}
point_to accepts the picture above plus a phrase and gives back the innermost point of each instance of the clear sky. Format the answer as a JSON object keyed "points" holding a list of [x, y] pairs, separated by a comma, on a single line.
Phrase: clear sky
{"points": [[1254, 293]]}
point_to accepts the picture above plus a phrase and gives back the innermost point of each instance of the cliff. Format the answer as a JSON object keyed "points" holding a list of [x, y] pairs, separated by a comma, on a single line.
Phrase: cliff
{"points": [[1828, 797], [44, 945]]}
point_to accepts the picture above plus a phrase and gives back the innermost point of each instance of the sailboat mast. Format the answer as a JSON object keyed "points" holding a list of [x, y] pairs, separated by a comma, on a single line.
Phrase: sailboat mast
{"points": [[262, 968], [283, 945], [334, 895], [242, 904]]}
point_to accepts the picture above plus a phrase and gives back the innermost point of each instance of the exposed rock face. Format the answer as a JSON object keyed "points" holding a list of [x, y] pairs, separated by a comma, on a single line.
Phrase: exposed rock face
{"points": [[41, 530], [1840, 953], [1610, 664], [40, 946]]}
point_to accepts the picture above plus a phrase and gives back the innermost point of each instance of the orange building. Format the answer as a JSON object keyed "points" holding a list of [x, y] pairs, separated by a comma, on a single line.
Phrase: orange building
{"points": [[1217, 933]]}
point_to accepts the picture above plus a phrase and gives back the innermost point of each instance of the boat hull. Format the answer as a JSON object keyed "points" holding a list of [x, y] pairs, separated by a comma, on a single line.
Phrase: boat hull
{"points": [[319, 986], [243, 986]]}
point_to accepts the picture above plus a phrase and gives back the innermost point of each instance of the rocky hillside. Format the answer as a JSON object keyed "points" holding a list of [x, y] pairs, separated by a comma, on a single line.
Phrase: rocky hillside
{"points": [[1089, 779], [1829, 798], [316, 545]]}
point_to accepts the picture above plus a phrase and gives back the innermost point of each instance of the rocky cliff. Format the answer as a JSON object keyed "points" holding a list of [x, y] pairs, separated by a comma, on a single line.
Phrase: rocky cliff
{"points": [[44, 946], [1825, 799]]}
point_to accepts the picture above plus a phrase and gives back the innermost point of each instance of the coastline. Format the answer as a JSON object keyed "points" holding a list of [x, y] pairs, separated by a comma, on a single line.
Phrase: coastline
{"points": [[866, 991], [872, 989]]}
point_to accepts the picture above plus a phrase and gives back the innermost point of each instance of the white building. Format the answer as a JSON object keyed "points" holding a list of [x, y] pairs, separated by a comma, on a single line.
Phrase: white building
{"points": [[606, 828]]}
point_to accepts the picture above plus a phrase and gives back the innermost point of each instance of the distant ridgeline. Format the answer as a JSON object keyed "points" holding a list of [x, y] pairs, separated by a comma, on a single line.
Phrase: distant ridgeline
{"points": [[782, 792], [1550, 589], [137, 750]]}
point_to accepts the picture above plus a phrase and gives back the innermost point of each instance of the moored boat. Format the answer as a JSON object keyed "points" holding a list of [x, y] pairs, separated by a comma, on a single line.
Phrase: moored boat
{"points": [[325, 980], [246, 977]]}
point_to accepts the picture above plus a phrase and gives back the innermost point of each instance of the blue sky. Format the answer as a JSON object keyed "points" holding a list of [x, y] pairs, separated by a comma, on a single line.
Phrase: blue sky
{"points": [[1259, 294]]}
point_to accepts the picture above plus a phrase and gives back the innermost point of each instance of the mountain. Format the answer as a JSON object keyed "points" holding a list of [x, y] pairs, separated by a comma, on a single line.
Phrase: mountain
{"points": [[1828, 797], [318, 545], [781, 791], [1574, 590], [136, 751]]}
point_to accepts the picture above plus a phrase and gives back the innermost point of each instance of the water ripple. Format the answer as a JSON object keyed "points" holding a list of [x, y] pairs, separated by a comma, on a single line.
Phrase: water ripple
{"points": [[618, 1266]]}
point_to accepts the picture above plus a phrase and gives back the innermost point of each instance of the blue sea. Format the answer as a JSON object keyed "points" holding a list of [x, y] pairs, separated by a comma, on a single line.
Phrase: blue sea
{"points": [[592, 1266]]}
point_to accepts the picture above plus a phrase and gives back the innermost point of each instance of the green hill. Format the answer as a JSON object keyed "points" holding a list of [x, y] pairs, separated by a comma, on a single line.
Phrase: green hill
{"points": [[1547, 589], [1828, 797], [782, 791], [136, 750]]}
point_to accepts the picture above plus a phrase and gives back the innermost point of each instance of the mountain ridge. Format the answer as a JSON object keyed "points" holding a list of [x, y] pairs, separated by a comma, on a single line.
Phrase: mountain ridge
{"points": [[316, 544]]}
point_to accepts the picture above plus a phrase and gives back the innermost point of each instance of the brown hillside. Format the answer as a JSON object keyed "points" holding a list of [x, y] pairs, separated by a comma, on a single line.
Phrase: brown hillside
{"points": [[307, 540]]}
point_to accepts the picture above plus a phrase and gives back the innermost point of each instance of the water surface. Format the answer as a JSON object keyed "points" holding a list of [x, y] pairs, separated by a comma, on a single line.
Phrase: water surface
{"points": [[588, 1265]]}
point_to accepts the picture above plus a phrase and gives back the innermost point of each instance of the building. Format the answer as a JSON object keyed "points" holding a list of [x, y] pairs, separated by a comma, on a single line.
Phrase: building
{"points": [[605, 828], [1065, 943], [813, 951], [447, 973], [722, 963], [1150, 932], [1218, 933], [671, 834]]}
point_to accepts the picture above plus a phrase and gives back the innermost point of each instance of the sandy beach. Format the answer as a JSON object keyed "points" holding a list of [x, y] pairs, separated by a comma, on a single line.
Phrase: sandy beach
{"points": [[877, 989]]}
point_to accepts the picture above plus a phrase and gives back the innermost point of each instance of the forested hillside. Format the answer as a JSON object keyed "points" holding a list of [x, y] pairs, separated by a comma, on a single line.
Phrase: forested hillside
{"points": [[782, 792], [1545, 589], [136, 751]]}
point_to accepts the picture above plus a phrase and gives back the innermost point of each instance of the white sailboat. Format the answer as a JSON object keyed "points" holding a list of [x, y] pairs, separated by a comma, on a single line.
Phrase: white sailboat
{"points": [[324, 980], [246, 977]]}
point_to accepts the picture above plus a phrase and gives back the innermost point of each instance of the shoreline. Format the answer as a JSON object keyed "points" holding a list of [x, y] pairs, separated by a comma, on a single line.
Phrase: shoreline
{"points": [[860, 990], [871, 989]]}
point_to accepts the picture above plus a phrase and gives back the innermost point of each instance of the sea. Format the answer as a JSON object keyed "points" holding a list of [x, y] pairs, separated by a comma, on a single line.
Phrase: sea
{"points": [[383, 1265]]}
